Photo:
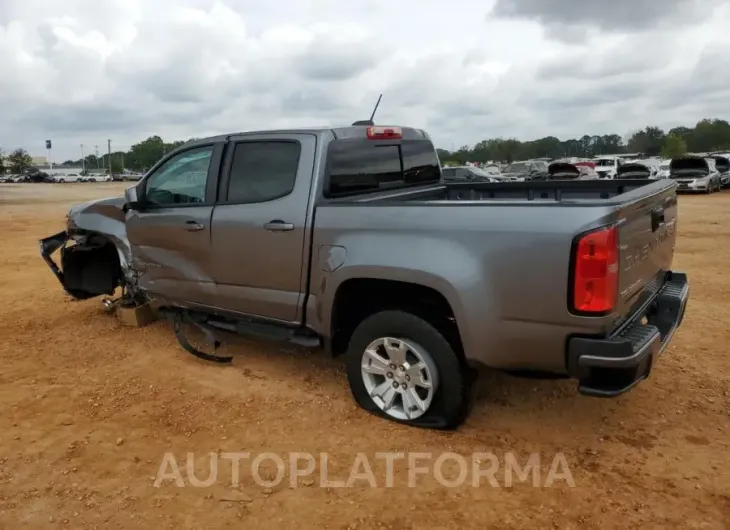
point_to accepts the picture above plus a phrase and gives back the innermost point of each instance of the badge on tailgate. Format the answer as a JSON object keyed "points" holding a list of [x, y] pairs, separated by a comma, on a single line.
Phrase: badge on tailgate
{"points": [[639, 253]]}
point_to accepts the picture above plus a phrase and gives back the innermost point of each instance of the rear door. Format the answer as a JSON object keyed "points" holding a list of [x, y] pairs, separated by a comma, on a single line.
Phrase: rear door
{"points": [[259, 226], [170, 234], [647, 235]]}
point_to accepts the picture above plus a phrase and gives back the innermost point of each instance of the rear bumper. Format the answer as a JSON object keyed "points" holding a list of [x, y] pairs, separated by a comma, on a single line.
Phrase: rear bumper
{"points": [[608, 367]]}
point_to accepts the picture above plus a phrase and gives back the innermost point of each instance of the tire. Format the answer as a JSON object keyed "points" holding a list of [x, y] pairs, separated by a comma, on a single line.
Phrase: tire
{"points": [[61, 181], [451, 398]]}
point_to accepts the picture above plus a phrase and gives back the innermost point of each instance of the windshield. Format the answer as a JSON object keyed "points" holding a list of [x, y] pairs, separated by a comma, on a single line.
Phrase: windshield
{"points": [[516, 168], [605, 163]]}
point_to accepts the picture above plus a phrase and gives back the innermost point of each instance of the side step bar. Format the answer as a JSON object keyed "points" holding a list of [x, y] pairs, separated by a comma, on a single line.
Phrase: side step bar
{"points": [[208, 326]]}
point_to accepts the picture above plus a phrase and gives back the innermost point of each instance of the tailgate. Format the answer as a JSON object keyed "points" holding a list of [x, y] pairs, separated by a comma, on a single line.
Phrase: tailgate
{"points": [[647, 233]]}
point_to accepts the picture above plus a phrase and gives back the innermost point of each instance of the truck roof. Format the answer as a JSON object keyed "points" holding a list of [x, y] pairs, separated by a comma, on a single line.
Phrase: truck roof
{"points": [[341, 133]]}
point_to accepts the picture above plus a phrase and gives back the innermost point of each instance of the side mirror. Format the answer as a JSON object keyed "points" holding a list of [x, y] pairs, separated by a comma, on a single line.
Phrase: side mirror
{"points": [[130, 195]]}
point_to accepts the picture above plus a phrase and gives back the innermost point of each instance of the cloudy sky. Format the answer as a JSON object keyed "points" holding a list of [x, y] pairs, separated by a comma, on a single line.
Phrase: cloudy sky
{"points": [[83, 71]]}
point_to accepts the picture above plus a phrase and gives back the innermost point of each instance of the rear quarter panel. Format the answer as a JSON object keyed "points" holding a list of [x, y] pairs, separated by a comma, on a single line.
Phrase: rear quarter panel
{"points": [[503, 268]]}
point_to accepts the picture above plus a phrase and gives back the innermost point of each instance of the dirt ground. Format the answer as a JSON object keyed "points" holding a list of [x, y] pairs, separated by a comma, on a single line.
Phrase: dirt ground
{"points": [[90, 408]]}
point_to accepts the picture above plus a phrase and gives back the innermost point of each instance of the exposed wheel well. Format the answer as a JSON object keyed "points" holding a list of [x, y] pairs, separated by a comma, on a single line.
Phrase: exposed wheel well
{"points": [[92, 267], [358, 298]]}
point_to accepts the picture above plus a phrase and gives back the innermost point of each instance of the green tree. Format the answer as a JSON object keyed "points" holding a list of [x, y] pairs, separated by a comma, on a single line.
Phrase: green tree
{"points": [[145, 154], [674, 146], [649, 141], [2, 162], [711, 135], [19, 161]]}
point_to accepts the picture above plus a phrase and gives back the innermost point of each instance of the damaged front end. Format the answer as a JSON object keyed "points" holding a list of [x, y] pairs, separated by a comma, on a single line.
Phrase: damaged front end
{"points": [[89, 267], [96, 260], [94, 252]]}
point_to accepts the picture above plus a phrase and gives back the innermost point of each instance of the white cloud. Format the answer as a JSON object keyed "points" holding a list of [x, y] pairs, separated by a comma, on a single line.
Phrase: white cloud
{"points": [[82, 71]]}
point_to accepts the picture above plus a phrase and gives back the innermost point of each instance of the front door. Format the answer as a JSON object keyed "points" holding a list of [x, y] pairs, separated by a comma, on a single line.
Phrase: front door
{"points": [[170, 233], [260, 225]]}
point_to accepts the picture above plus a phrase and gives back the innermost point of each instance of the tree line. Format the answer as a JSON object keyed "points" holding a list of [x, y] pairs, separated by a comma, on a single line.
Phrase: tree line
{"points": [[706, 136]]}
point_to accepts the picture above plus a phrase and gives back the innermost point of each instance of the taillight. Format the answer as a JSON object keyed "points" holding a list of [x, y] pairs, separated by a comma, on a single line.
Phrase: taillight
{"points": [[383, 133], [595, 271]]}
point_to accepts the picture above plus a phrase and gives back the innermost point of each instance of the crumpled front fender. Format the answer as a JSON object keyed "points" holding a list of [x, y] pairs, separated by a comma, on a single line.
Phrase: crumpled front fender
{"points": [[107, 218], [90, 267]]}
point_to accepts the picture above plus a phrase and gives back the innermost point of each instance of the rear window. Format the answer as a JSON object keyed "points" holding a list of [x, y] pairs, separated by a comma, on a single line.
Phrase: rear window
{"points": [[358, 166]]}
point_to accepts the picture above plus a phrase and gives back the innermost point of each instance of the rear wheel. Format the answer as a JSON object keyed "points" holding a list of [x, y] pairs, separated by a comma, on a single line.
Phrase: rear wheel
{"points": [[402, 368]]}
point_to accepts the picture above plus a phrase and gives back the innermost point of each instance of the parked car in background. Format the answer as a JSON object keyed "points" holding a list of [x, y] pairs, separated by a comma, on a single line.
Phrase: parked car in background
{"points": [[474, 174], [633, 170], [466, 174], [695, 174], [526, 170], [652, 164], [607, 166], [562, 171], [38, 177], [722, 163], [587, 173], [132, 176], [97, 178], [568, 171], [663, 169], [17, 178], [71, 177]]}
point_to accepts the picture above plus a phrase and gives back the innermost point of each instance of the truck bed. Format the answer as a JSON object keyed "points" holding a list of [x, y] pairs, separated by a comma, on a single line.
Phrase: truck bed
{"points": [[580, 192], [504, 244]]}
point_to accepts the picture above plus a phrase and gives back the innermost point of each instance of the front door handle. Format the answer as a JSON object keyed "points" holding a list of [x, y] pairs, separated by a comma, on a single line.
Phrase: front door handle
{"points": [[278, 225], [193, 226]]}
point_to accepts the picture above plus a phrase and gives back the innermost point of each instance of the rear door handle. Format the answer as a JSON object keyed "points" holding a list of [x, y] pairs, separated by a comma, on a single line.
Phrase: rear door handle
{"points": [[193, 226], [277, 225]]}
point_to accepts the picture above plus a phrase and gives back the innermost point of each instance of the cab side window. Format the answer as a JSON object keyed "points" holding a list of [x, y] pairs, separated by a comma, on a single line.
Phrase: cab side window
{"points": [[181, 180]]}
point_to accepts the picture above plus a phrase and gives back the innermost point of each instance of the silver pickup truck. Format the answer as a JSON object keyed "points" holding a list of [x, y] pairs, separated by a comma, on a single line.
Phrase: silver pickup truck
{"points": [[349, 239]]}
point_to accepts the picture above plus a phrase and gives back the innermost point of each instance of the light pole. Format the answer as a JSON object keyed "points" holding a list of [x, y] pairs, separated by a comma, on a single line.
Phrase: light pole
{"points": [[83, 162], [109, 148], [96, 150]]}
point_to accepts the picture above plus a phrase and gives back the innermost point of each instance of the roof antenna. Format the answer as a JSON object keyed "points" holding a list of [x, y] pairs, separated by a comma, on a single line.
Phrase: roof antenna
{"points": [[370, 122]]}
